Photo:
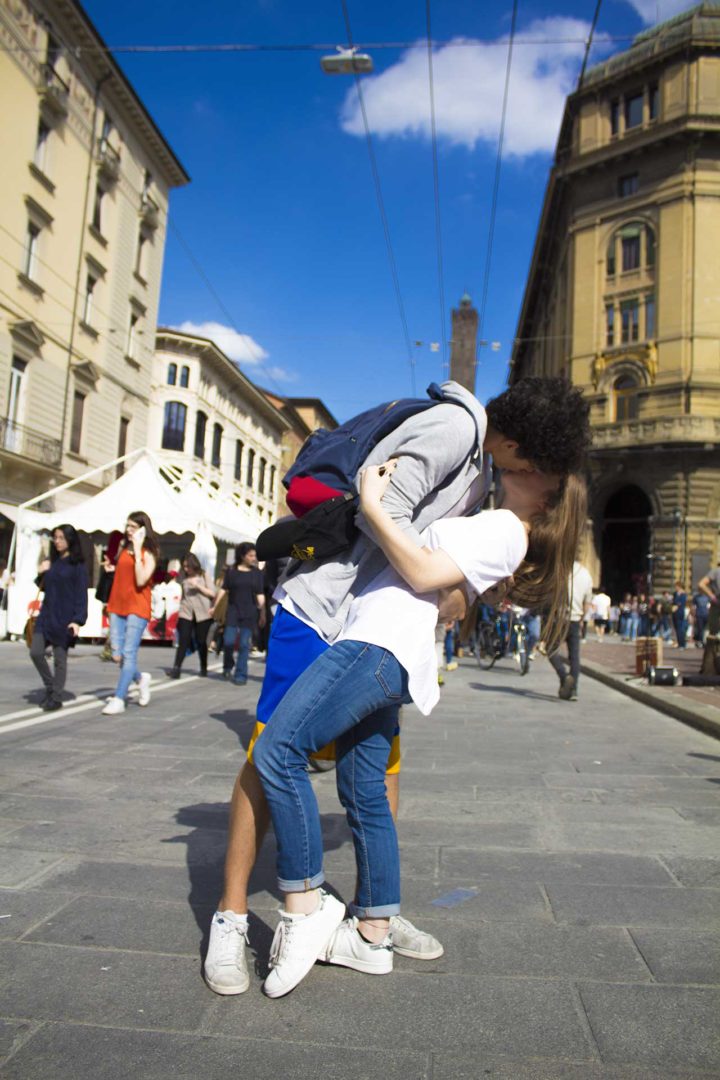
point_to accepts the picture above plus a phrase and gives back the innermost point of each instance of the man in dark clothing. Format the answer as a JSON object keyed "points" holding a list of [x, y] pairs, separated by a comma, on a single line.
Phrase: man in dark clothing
{"points": [[244, 586], [679, 614]]}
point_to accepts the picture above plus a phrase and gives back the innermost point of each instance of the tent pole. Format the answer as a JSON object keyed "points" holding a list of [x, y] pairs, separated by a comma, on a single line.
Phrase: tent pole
{"points": [[85, 476]]}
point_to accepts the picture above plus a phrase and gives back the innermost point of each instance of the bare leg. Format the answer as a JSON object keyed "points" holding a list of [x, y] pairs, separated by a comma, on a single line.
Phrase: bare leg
{"points": [[249, 820]]}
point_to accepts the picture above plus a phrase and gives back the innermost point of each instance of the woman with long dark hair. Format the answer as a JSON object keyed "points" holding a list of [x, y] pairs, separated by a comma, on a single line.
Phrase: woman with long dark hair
{"points": [[384, 656], [64, 581], [129, 607], [198, 592]]}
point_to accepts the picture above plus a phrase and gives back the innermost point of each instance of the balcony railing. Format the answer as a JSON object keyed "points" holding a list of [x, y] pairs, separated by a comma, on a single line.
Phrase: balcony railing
{"points": [[17, 439], [54, 92], [109, 161]]}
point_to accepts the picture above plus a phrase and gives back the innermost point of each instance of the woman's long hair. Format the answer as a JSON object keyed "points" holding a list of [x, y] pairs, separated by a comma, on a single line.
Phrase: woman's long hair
{"points": [[542, 581], [150, 542], [74, 555], [193, 564]]}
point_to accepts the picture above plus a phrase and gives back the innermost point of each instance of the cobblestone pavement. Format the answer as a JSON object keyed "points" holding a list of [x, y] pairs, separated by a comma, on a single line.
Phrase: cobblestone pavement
{"points": [[566, 854]]}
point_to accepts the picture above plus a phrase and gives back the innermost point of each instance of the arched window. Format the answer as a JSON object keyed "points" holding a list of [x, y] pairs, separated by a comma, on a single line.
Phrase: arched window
{"points": [[631, 247], [200, 426], [172, 374], [173, 437], [185, 375], [625, 390], [216, 445]]}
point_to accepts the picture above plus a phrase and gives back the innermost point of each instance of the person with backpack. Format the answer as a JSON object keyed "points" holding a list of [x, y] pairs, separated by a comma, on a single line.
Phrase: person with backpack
{"points": [[351, 694], [444, 469]]}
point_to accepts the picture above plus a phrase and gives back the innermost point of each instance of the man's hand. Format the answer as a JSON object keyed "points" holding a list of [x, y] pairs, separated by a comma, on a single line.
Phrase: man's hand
{"points": [[498, 592], [452, 604]]}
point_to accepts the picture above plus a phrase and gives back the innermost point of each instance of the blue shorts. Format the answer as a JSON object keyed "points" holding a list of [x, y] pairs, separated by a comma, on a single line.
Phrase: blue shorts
{"points": [[292, 648]]}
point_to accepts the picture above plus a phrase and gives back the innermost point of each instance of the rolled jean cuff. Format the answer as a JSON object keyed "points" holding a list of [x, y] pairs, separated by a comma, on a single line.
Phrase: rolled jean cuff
{"points": [[303, 885], [383, 911]]}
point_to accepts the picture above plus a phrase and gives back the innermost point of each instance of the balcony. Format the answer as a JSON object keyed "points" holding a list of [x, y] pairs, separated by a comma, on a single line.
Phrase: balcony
{"points": [[26, 442], [54, 94], [149, 211], [108, 160]]}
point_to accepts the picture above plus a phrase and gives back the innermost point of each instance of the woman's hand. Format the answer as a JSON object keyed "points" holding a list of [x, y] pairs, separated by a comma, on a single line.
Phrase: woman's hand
{"points": [[107, 565], [138, 539], [374, 483], [74, 628], [44, 566]]}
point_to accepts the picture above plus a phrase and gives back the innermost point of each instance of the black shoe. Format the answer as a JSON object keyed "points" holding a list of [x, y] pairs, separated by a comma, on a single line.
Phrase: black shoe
{"points": [[52, 704], [567, 688], [203, 673], [174, 673], [227, 675]]}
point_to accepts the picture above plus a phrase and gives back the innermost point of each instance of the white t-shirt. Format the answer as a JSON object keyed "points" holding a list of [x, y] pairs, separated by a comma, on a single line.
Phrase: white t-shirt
{"points": [[581, 587], [486, 548], [601, 606]]}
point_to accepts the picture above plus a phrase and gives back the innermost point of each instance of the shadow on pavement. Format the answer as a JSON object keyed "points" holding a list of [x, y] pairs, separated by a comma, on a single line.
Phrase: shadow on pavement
{"points": [[517, 691], [205, 859]]}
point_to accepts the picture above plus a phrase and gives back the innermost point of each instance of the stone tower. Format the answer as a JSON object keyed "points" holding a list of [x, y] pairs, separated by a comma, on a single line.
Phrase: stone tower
{"points": [[463, 347]]}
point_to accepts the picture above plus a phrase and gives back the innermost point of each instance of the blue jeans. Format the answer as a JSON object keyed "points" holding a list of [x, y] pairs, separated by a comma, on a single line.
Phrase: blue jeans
{"points": [[243, 636], [126, 633], [352, 694]]}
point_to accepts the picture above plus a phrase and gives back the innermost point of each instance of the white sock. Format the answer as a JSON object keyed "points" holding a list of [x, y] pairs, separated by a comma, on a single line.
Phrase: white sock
{"points": [[236, 917]]}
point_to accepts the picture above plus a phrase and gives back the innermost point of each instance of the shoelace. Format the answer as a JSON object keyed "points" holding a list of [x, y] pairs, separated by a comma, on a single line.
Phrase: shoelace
{"points": [[229, 943], [280, 942], [403, 924]]}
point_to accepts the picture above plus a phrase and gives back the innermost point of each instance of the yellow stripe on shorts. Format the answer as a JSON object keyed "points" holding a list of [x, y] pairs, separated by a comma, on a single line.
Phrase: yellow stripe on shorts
{"points": [[328, 752]]}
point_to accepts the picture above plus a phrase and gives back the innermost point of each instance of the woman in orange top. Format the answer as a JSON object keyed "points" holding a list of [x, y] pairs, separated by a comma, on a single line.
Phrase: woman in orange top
{"points": [[129, 607]]}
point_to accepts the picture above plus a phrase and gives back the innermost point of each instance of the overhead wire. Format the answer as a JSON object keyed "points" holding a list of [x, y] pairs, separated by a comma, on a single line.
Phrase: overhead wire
{"points": [[436, 193], [381, 208], [496, 186], [588, 44]]}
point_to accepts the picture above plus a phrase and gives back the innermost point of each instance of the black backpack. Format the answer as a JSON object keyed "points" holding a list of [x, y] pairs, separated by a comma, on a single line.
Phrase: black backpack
{"points": [[321, 482]]}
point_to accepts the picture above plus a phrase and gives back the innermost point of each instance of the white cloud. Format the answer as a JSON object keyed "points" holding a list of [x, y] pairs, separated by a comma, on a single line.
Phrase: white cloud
{"points": [[656, 11], [239, 347], [469, 83]]}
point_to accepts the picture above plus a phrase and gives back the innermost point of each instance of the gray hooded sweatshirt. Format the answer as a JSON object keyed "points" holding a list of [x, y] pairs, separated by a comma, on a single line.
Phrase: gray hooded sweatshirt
{"points": [[440, 458]]}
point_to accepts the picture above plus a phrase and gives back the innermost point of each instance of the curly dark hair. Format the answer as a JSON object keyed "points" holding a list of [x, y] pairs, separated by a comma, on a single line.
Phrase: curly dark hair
{"points": [[548, 419]]}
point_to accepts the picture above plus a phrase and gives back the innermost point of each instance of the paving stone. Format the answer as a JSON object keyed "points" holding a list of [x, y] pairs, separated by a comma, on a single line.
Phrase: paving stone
{"points": [[22, 909], [52, 982], [470, 1067], [695, 871], [19, 865], [12, 1034], [62, 1052], [658, 1026], [607, 905], [576, 867], [681, 956]]}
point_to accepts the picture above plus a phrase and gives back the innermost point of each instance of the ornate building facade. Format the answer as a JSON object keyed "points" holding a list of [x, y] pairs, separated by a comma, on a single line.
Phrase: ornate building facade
{"points": [[623, 298], [84, 189]]}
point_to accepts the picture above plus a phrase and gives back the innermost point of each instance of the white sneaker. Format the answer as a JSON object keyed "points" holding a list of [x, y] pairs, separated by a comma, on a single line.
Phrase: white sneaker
{"points": [[409, 941], [299, 941], [225, 967], [144, 688], [114, 706], [348, 949]]}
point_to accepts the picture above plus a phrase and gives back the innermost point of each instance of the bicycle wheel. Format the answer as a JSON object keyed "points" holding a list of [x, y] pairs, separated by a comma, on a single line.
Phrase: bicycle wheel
{"points": [[523, 653], [488, 647]]}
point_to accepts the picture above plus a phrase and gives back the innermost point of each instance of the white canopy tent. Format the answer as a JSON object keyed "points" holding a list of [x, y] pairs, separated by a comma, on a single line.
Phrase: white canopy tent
{"points": [[141, 487]]}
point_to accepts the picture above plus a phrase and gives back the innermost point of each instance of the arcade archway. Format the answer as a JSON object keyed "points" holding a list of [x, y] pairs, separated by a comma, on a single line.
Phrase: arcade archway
{"points": [[625, 541]]}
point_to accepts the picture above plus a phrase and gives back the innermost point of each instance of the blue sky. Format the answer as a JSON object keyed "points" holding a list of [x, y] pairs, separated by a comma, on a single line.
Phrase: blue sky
{"points": [[281, 212]]}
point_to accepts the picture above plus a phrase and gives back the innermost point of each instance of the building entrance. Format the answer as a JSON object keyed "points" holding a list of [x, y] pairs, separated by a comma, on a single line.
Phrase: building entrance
{"points": [[625, 542]]}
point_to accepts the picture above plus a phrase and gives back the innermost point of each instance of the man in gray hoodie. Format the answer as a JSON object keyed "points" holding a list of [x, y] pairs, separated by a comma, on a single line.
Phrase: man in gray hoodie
{"points": [[443, 471]]}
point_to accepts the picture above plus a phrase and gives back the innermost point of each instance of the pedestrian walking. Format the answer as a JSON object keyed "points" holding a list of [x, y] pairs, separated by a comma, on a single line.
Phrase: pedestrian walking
{"points": [[64, 581], [679, 614], [243, 585], [600, 613], [130, 607], [701, 607], [352, 693], [194, 618], [581, 600]]}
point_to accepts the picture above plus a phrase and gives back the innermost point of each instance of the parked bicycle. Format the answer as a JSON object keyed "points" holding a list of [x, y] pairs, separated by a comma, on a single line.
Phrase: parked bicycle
{"points": [[495, 639]]}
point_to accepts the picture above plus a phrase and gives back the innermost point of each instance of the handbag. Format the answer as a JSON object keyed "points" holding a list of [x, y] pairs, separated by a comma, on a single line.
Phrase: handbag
{"points": [[30, 622], [104, 586]]}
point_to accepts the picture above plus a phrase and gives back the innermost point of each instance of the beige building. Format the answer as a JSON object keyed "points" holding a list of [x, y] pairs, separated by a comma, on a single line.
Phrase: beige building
{"points": [[83, 208], [623, 297], [304, 415], [211, 426]]}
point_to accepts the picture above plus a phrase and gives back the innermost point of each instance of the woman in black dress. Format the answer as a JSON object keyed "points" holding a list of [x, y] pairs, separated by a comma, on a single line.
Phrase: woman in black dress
{"points": [[64, 581]]}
